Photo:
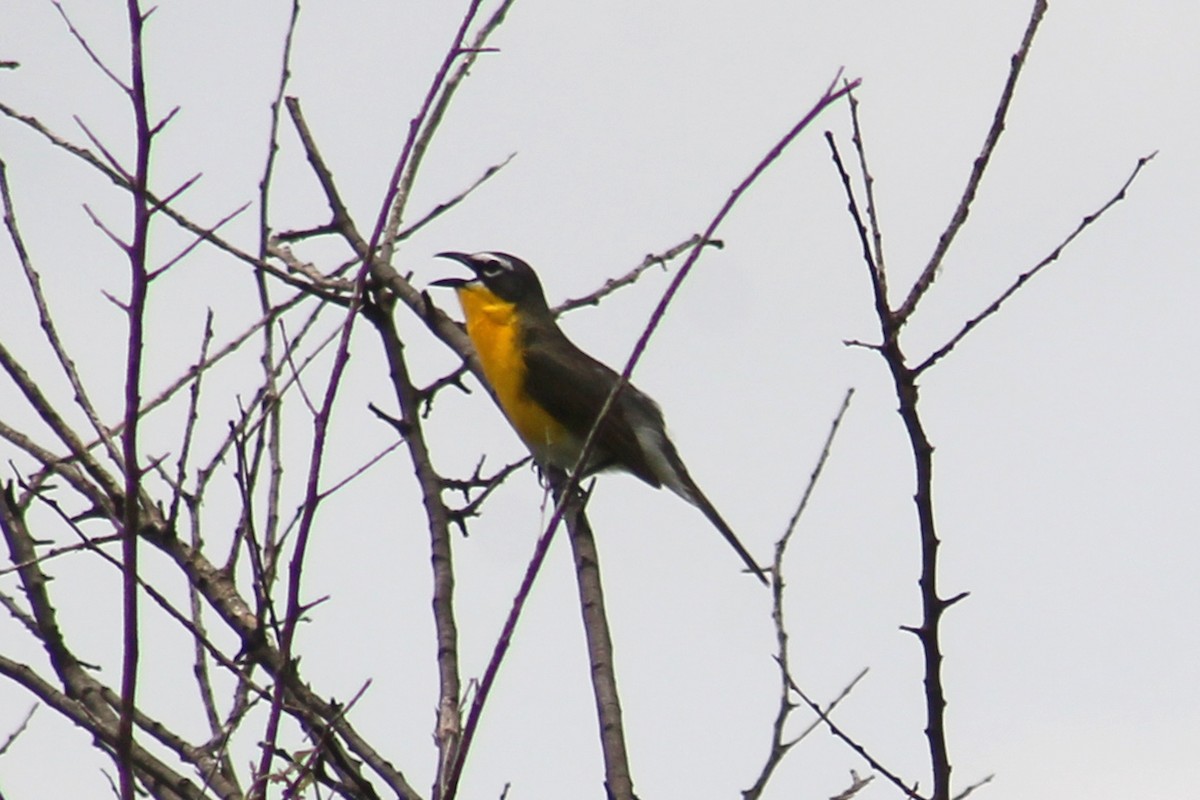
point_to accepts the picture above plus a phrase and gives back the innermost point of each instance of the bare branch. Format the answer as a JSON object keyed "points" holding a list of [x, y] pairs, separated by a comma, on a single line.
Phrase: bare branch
{"points": [[123, 182], [12, 737], [423, 126], [139, 283], [442, 208], [500, 650], [164, 122], [342, 221], [780, 747], [287, 352], [427, 393], [197, 241], [878, 280], [448, 727], [34, 281], [869, 189], [477, 480], [112, 495], [970, 324], [193, 414], [55, 552], [967, 792], [328, 283], [112, 160], [312, 499], [372, 461], [87, 48], [117, 240], [629, 278], [922, 284], [857, 784], [853, 745], [618, 780]]}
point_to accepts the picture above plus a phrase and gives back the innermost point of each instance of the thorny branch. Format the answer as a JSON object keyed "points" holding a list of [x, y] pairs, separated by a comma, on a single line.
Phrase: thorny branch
{"points": [[780, 747], [922, 284], [629, 278], [994, 306], [904, 377]]}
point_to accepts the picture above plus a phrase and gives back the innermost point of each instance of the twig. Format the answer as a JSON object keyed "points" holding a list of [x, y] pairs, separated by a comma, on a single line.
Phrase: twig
{"points": [[869, 188], [33, 279], [189, 428], [264, 401], [55, 552], [287, 357], [423, 126], [139, 283], [967, 327], [967, 792], [427, 393], [651, 259], [113, 162], [857, 784], [342, 222], [123, 181], [272, 430], [360, 470], [922, 284], [459, 516], [779, 747], [442, 208], [308, 768], [276, 249], [831, 705], [853, 745], [878, 286], [110, 488], [197, 240], [87, 48], [196, 370], [24, 723]]}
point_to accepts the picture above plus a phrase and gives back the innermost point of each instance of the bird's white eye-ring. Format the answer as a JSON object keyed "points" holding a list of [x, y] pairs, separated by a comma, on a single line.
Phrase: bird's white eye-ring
{"points": [[492, 265]]}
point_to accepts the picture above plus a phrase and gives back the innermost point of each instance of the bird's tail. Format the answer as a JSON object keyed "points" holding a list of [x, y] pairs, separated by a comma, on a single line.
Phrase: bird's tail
{"points": [[679, 481], [698, 499]]}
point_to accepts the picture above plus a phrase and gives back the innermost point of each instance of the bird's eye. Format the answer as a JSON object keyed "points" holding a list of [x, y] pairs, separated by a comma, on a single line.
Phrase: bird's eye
{"points": [[493, 266]]}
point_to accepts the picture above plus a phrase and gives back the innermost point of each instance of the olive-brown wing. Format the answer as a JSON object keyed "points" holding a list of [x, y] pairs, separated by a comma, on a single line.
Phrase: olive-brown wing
{"points": [[572, 386]]}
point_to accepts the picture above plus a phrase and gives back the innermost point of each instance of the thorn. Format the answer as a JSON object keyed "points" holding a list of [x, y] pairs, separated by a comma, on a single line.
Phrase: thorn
{"points": [[951, 601]]}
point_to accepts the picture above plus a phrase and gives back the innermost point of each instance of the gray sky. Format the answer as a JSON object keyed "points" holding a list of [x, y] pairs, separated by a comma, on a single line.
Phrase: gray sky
{"points": [[1065, 426]]}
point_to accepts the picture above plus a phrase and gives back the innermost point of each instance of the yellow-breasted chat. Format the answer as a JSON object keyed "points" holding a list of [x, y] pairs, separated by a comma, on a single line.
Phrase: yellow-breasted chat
{"points": [[552, 392]]}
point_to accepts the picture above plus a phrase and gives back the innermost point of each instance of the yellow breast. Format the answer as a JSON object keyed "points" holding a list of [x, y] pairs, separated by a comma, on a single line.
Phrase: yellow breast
{"points": [[495, 329]]}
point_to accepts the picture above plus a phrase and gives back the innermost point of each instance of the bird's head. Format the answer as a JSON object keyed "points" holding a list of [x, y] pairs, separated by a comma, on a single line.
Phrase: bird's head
{"points": [[506, 276]]}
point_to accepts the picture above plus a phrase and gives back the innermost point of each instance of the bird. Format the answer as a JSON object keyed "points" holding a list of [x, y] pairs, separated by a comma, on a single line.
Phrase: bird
{"points": [[552, 392]]}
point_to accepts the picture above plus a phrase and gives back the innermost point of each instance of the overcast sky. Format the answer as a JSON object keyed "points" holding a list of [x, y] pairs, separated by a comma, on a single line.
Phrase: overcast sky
{"points": [[1068, 448]]}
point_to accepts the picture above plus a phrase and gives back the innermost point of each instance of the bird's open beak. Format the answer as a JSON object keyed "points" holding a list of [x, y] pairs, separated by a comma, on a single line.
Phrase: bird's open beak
{"points": [[462, 258]]}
